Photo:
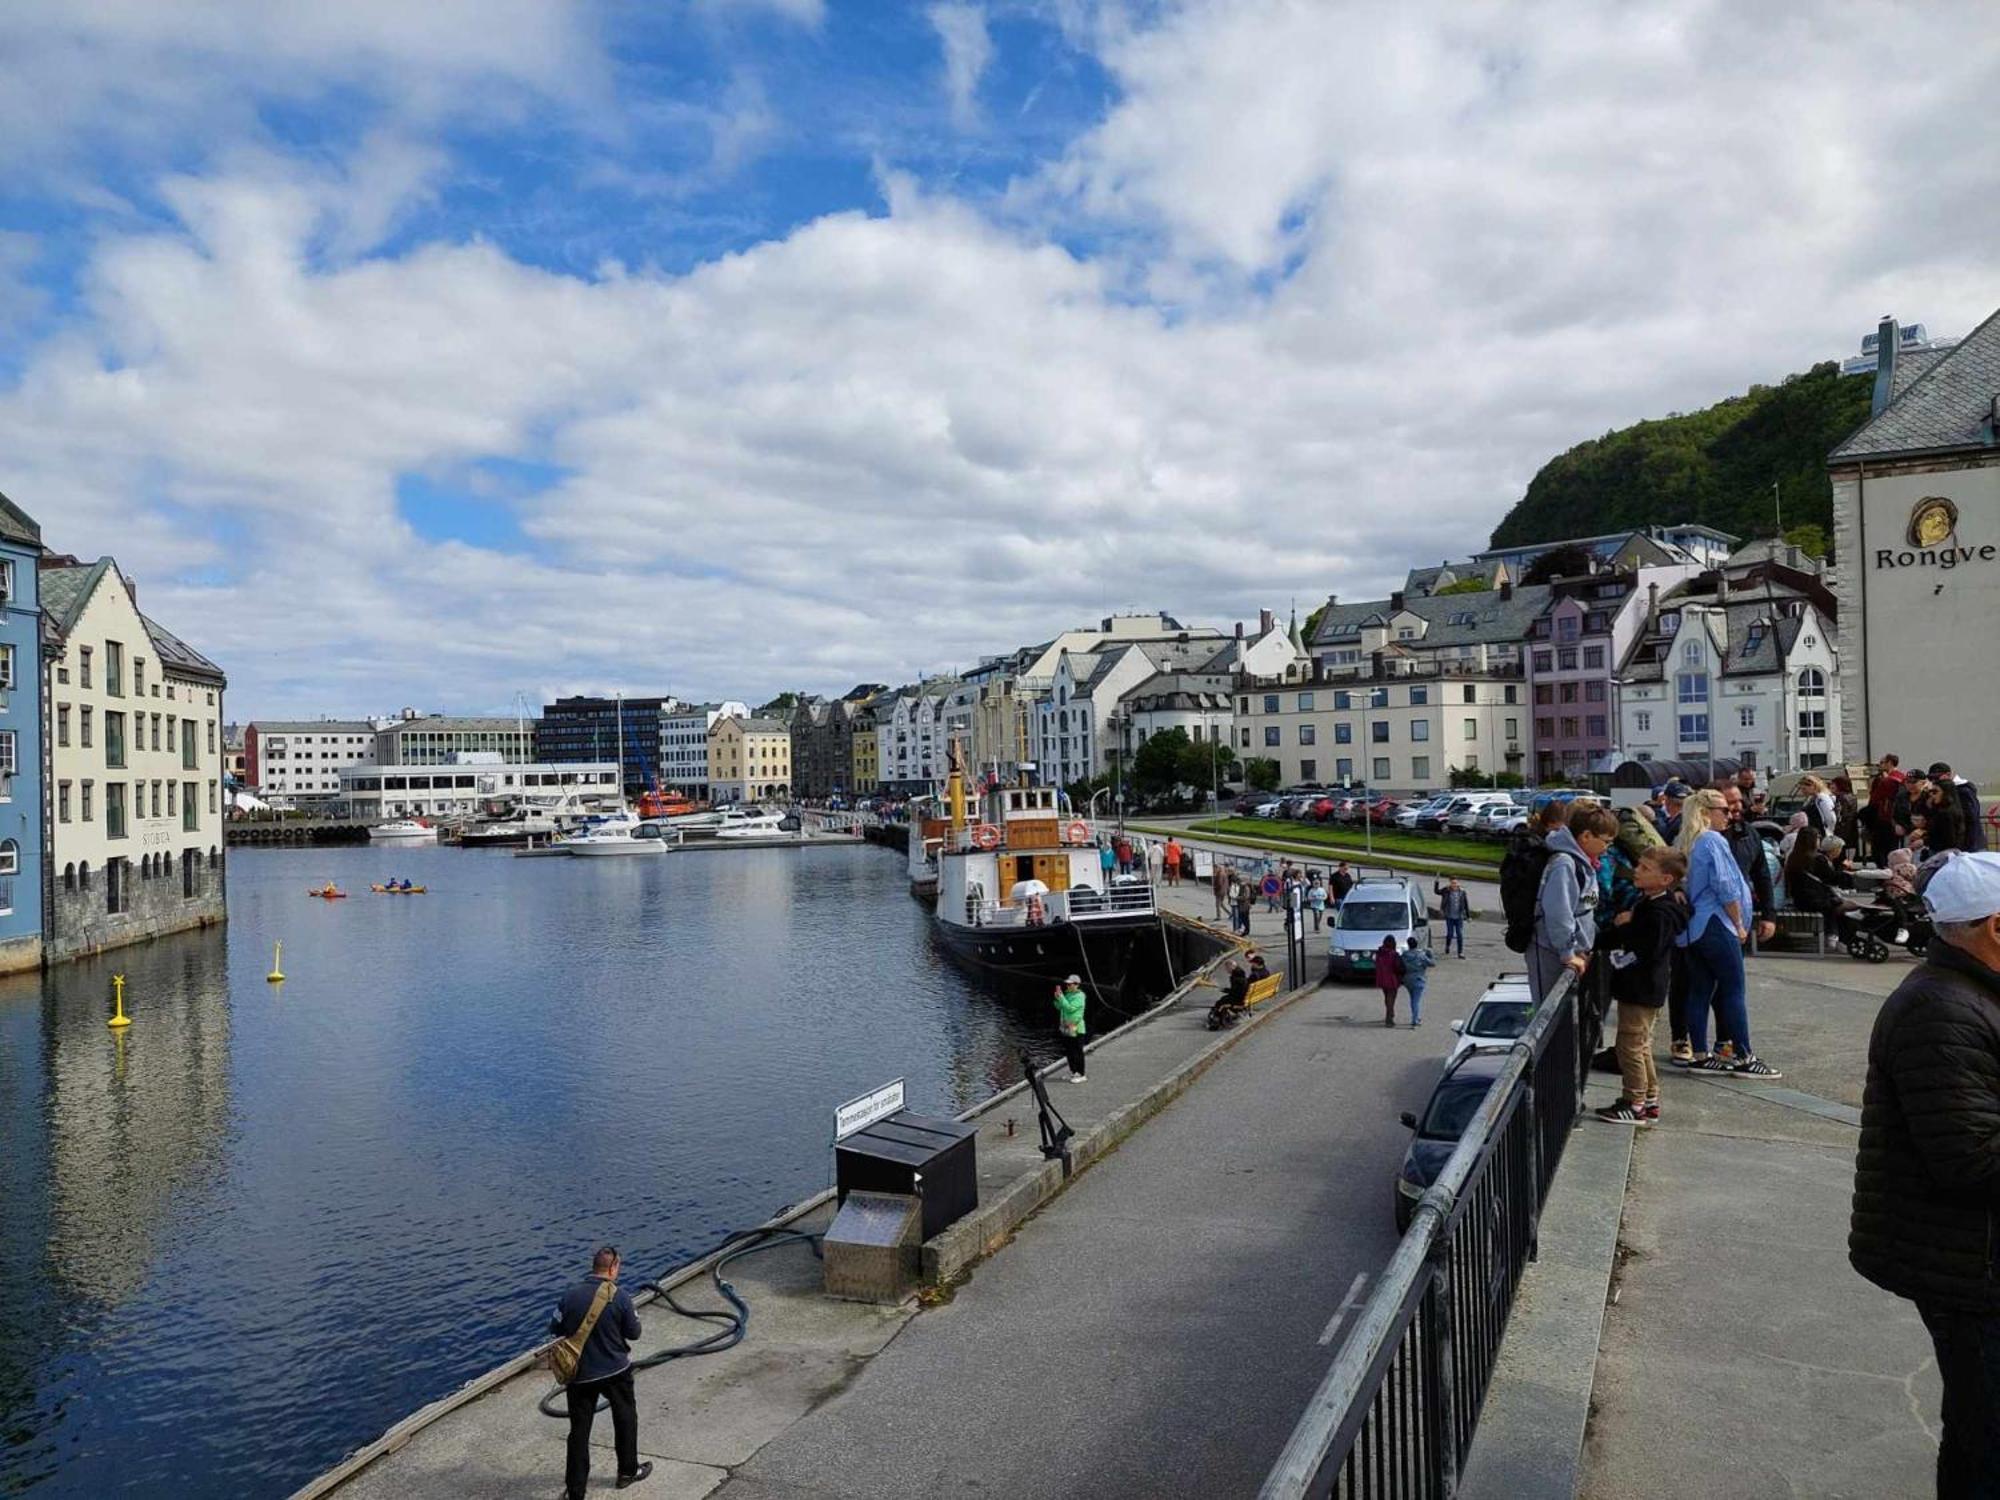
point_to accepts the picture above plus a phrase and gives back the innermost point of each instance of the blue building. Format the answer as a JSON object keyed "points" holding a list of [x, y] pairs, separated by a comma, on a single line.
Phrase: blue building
{"points": [[20, 741]]}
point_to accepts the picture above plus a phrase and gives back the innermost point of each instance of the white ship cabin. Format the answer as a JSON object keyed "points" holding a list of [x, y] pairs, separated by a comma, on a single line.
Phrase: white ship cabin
{"points": [[1027, 864]]}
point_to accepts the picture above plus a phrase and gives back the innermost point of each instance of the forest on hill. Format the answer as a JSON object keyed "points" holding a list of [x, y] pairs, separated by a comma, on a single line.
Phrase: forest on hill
{"points": [[1715, 466]]}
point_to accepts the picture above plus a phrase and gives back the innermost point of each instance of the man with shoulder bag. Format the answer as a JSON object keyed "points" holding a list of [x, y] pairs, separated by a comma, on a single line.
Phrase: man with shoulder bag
{"points": [[592, 1358]]}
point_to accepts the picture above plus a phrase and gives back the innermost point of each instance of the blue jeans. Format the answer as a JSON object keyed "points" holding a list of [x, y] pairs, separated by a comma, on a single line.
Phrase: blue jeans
{"points": [[1454, 932], [1416, 989], [1968, 1359], [1715, 978]]}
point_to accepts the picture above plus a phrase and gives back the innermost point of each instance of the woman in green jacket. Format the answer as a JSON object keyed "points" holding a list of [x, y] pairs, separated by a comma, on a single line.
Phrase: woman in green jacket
{"points": [[1069, 1021]]}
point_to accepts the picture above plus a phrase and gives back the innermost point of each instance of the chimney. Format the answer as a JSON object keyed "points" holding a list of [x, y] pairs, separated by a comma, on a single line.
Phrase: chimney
{"points": [[1239, 630], [1652, 608], [1396, 601], [132, 588], [1265, 620], [1506, 589], [1886, 339]]}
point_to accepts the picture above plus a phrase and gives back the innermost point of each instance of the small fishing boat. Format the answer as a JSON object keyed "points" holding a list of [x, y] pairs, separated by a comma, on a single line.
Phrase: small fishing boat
{"points": [[618, 834], [328, 893], [403, 831], [398, 890]]}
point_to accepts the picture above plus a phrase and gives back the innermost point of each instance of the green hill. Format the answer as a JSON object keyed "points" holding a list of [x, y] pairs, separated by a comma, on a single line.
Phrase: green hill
{"points": [[1714, 466]]}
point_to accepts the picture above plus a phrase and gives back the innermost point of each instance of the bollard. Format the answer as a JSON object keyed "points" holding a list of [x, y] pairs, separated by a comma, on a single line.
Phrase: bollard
{"points": [[118, 989], [277, 974]]}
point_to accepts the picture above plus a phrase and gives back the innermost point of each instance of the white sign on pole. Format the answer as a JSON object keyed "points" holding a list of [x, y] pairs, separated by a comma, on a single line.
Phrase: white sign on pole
{"points": [[859, 1114], [1204, 864]]}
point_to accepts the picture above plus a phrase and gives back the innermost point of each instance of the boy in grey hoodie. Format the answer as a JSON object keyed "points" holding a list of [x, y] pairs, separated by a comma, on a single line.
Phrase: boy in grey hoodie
{"points": [[1566, 905]]}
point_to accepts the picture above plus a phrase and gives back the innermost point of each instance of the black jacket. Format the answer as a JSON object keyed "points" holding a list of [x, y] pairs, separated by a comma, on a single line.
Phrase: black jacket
{"points": [[1926, 1221], [609, 1347], [1747, 845], [1641, 952], [1972, 836], [1453, 905]]}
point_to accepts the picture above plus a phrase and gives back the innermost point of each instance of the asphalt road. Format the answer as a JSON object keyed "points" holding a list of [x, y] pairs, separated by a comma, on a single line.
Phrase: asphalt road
{"points": [[1158, 1328]]}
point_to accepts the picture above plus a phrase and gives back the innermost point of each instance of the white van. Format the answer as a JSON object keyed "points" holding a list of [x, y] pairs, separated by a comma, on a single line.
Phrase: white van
{"points": [[1377, 907]]}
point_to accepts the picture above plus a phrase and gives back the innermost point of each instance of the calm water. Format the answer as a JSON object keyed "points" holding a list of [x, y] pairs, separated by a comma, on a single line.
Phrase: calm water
{"points": [[242, 1238]]}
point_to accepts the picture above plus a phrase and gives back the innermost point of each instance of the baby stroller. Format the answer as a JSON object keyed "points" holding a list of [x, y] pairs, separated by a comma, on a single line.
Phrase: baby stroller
{"points": [[1871, 931]]}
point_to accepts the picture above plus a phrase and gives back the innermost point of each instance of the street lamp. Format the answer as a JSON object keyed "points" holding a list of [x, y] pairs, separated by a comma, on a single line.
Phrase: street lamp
{"points": [[1117, 723]]}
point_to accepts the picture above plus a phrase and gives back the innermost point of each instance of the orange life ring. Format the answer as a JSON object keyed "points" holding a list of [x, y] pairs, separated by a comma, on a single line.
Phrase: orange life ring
{"points": [[1078, 831], [985, 836]]}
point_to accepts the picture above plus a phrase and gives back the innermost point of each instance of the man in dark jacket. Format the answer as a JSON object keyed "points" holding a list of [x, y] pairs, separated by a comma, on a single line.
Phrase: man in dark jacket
{"points": [[1747, 845], [605, 1370], [1340, 882], [1454, 906], [1926, 1222], [1972, 835]]}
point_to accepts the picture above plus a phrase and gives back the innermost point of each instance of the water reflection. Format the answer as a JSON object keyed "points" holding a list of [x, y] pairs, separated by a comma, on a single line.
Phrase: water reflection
{"points": [[315, 1206]]}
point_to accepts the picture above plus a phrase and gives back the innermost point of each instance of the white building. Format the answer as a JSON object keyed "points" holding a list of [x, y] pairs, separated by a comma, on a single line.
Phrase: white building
{"points": [[414, 739], [461, 788], [1916, 526], [1746, 672], [135, 769], [912, 747], [289, 763], [1401, 731], [684, 744]]}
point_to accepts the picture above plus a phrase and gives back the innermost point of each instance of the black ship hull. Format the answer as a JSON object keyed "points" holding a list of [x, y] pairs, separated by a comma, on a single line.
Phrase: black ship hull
{"points": [[1098, 952]]}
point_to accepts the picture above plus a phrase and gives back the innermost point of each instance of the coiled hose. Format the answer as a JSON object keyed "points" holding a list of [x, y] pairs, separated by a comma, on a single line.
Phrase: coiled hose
{"points": [[735, 1319]]}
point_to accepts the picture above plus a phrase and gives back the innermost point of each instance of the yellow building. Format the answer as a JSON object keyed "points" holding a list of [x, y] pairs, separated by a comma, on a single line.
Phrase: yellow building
{"points": [[864, 769], [749, 760]]}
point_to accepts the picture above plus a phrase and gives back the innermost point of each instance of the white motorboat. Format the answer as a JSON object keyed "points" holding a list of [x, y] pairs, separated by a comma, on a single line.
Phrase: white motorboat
{"points": [[403, 831], [742, 822], [619, 834]]}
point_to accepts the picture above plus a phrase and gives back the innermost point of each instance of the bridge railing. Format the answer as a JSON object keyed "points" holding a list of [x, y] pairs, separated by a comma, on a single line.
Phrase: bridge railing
{"points": [[1396, 1413]]}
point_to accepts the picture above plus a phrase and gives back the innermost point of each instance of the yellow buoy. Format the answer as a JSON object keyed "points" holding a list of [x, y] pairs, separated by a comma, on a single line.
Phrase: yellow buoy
{"points": [[118, 990], [277, 974]]}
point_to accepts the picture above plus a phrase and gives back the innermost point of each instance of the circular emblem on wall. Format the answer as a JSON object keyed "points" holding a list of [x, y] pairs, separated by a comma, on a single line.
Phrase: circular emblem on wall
{"points": [[1932, 521]]}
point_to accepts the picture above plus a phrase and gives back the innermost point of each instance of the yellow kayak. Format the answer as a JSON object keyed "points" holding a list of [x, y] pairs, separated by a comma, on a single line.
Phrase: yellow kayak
{"points": [[397, 890]]}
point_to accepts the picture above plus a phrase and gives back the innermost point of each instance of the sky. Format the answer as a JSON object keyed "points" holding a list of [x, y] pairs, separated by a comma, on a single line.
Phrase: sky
{"points": [[431, 354]]}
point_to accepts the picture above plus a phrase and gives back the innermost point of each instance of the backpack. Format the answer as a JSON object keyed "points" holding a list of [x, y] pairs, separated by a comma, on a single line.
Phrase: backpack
{"points": [[1520, 889]]}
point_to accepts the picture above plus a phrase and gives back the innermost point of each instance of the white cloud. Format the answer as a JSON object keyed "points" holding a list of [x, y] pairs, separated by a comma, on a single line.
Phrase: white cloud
{"points": [[1389, 290], [961, 29]]}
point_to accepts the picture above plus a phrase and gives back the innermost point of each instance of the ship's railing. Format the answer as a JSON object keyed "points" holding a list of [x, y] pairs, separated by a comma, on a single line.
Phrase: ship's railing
{"points": [[1119, 901]]}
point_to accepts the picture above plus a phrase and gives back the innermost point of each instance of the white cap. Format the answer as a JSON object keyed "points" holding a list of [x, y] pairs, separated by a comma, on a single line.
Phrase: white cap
{"points": [[1966, 889]]}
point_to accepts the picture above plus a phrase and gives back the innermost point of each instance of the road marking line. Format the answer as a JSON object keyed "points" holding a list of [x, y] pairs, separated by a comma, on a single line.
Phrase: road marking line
{"points": [[1340, 1313]]}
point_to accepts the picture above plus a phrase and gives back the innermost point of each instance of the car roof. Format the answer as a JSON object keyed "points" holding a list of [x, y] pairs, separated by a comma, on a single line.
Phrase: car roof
{"points": [[1476, 1065], [1378, 883]]}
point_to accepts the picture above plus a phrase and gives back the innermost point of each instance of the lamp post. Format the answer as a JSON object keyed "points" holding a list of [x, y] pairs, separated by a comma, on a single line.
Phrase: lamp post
{"points": [[1117, 724]]}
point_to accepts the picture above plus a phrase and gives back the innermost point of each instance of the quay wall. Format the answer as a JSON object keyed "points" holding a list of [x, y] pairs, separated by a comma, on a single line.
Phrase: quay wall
{"points": [[82, 923]]}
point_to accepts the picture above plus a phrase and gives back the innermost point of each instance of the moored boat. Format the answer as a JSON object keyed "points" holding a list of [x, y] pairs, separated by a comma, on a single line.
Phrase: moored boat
{"points": [[619, 834], [403, 831]]}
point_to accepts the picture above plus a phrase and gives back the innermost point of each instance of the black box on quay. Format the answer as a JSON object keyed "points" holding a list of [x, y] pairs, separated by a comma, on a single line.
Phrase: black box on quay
{"points": [[911, 1153]]}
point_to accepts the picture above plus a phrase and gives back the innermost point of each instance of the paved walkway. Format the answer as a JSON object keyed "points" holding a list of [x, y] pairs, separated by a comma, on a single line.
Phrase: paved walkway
{"points": [[1742, 1356]]}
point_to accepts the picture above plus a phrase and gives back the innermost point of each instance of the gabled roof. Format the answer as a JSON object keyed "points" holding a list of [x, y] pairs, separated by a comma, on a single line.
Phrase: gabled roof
{"points": [[17, 526], [1452, 619], [66, 590], [1948, 406], [762, 726], [177, 655]]}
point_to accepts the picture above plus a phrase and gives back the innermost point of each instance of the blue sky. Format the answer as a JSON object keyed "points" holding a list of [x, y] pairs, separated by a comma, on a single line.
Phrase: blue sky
{"points": [[718, 346]]}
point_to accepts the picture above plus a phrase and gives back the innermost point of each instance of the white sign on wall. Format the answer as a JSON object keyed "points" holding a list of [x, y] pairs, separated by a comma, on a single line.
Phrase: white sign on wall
{"points": [[859, 1114]]}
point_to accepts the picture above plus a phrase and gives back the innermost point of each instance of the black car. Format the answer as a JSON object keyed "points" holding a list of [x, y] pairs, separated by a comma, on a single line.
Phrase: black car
{"points": [[1456, 1099]]}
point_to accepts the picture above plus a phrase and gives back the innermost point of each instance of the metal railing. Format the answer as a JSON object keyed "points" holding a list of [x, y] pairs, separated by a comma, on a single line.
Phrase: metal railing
{"points": [[1119, 901], [1079, 903], [1396, 1413]]}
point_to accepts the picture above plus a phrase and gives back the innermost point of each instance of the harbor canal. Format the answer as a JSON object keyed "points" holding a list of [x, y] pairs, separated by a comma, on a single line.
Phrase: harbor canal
{"points": [[244, 1235]]}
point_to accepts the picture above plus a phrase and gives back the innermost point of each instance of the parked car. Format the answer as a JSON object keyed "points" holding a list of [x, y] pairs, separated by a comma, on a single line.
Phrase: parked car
{"points": [[1434, 817], [1409, 813], [1381, 810], [1345, 807], [1274, 808], [1467, 1080], [1249, 802], [1499, 1018], [1501, 824], [1465, 819], [1375, 909]]}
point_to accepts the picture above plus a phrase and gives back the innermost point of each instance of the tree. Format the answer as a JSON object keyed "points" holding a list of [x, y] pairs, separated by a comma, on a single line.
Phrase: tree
{"points": [[1809, 538], [1563, 562], [1466, 586], [1462, 776], [1157, 763], [779, 707], [1262, 773]]}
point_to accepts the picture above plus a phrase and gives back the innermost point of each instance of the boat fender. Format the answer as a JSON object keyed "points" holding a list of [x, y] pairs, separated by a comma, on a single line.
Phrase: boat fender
{"points": [[985, 836]]}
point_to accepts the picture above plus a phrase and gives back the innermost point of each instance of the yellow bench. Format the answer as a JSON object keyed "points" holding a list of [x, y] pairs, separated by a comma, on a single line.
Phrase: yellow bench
{"points": [[1261, 990]]}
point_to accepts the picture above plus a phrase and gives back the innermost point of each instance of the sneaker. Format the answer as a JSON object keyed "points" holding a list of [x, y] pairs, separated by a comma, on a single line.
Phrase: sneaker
{"points": [[1726, 1051], [1415, 1024], [1624, 1112], [1652, 1109], [1753, 1067], [1714, 1062], [1682, 1055]]}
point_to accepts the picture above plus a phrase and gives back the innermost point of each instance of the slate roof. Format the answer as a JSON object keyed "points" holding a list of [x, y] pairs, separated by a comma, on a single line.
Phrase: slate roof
{"points": [[763, 726], [17, 526], [1453, 619], [177, 655], [312, 726], [64, 591], [1739, 658], [1949, 405]]}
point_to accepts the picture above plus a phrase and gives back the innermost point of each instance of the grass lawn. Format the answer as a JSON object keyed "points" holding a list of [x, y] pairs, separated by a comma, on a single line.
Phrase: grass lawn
{"points": [[1350, 841]]}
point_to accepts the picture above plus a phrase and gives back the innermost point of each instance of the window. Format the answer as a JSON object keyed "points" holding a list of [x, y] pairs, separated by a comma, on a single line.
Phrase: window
{"points": [[1343, 769], [62, 801], [1381, 768], [1812, 683], [114, 809], [1378, 732], [1593, 691], [1569, 730], [1305, 702], [1343, 701], [211, 736], [1270, 703], [88, 794], [1692, 687], [1596, 725], [1593, 658], [190, 813], [1544, 661], [1746, 715], [1472, 728], [1419, 696], [114, 880], [1246, 737], [114, 741], [1566, 659], [156, 731], [1420, 768], [1471, 694], [1513, 728], [1545, 729], [173, 802], [139, 675], [83, 725], [1306, 733], [1566, 628], [1507, 694], [1270, 734], [1420, 730], [62, 724], [1566, 692], [83, 666], [1644, 721], [1545, 693], [156, 799], [1694, 728], [1343, 734], [188, 749], [114, 669], [1691, 653], [1308, 770], [1812, 723]]}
